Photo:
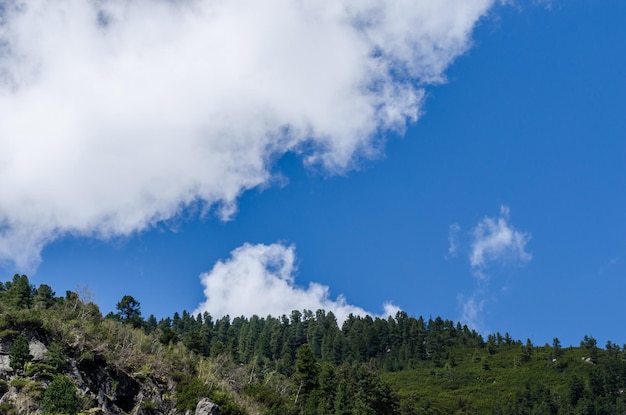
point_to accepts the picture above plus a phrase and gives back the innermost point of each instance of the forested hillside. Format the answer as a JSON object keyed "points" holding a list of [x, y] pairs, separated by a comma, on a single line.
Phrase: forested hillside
{"points": [[58, 354]]}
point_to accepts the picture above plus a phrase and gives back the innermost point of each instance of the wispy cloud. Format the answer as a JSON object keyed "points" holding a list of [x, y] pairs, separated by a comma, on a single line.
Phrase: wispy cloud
{"points": [[453, 239], [118, 114], [547, 4], [472, 311], [495, 240], [259, 279]]}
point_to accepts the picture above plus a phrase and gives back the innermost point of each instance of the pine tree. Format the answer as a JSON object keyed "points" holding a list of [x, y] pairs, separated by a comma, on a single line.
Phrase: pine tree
{"points": [[342, 402], [19, 352], [130, 311], [19, 293], [307, 371], [44, 297]]}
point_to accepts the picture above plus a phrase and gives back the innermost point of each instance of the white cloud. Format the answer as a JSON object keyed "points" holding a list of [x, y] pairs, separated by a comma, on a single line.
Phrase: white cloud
{"points": [[471, 313], [390, 310], [453, 239], [259, 279], [117, 114], [496, 240]]}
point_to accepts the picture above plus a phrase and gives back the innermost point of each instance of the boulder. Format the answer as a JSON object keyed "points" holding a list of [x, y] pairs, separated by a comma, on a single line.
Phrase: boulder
{"points": [[5, 365], [206, 407], [37, 349]]}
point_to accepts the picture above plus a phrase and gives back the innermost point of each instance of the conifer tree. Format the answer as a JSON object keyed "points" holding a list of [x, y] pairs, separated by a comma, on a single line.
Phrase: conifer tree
{"points": [[44, 297], [19, 352], [307, 370], [19, 293], [130, 311]]}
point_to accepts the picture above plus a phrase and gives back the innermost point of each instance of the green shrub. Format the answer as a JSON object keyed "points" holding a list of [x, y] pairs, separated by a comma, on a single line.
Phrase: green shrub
{"points": [[46, 376], [226, 403], [8, 334], [7, 320], [33, 369], [29, 319], [19, 383], [263, 394], [189, 392], [87, 356], [148, 405], [61, 397], [55, 356]]}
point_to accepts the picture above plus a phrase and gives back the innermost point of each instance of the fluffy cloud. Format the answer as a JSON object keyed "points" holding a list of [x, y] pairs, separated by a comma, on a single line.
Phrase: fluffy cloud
{"points": [[117, 114], [259, 279], [496, 240]]}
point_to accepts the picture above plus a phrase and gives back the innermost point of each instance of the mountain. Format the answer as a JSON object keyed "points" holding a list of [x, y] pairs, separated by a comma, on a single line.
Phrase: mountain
{"points": [[60, 355]]}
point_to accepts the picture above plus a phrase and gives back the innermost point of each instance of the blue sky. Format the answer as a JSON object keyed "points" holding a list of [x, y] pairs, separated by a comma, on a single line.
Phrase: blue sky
{"points": [[502, 206]]}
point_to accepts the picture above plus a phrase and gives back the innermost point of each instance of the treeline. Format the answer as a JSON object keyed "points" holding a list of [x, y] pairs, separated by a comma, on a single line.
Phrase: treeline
{"points": [[391, 344], [445, 358], [455, 368], [324, 369], [306, 363]]}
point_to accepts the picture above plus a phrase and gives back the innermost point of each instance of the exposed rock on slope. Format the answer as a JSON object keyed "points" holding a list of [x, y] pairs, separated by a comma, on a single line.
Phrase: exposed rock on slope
{"points": [[206, 407], [103, 385]]}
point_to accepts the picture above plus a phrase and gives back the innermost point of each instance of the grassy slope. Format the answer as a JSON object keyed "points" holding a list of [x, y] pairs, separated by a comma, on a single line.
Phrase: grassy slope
{"points": [[481, 381]]}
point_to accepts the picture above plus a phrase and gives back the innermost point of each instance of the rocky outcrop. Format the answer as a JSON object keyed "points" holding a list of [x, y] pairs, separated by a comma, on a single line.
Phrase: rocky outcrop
{"points": [[116, 392], [37, 349], [4, 363], [108, 389], [5, 345], [206, 407]]}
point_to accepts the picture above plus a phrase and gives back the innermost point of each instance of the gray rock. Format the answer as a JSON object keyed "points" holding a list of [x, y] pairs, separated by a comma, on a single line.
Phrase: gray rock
{"points": [[206, 407], [4, 364], [37, 349]]}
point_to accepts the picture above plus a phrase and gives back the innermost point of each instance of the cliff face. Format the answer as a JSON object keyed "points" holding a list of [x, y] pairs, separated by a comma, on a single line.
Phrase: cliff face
{"points": [[102, 386], [115, 391]]}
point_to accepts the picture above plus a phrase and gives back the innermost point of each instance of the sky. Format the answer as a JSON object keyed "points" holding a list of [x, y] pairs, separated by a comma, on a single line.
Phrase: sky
{"points": [[463, 159]]}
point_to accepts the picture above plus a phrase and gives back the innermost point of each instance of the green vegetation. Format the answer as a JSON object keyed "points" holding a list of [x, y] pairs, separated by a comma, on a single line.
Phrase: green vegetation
{"points": [[300, 364], [61, 397], [19, 383], [19, 353], [128, 312], [307, 364]]}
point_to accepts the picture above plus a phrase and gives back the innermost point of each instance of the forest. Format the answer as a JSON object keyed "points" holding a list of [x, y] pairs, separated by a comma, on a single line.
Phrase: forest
{"points": [[301, 363]]}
